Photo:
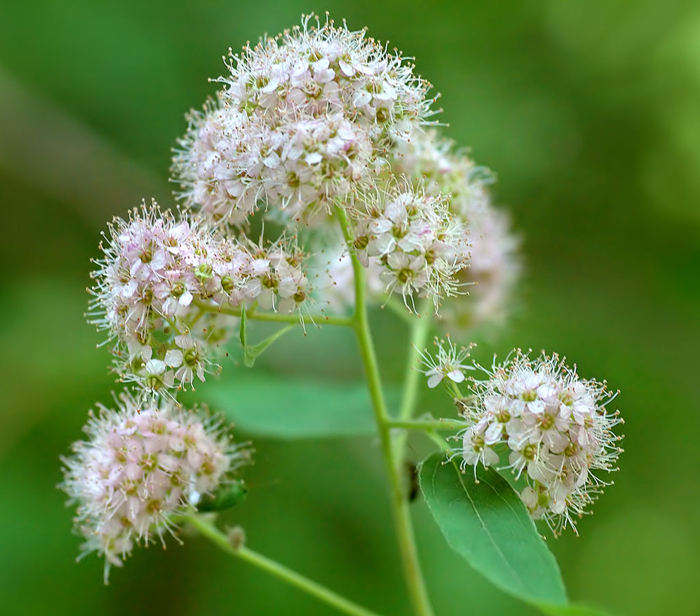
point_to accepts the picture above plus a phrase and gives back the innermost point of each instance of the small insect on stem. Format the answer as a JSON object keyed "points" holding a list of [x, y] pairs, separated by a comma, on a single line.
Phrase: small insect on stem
{"points": [[413, 486]]}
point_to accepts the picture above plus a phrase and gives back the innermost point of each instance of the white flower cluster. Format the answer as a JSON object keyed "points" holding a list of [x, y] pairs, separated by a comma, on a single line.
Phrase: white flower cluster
{"points": [[414, 241], [429, 164], [493, 262], [554, 427], [157, 277], [140, 467], [493, 272], [304, 118]]}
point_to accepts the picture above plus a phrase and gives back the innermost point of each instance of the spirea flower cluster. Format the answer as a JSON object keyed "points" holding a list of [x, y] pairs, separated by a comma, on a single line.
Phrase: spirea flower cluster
{"points": [[140, 467], [554, 428], [416, 244], [161, 275], [303, 120], [322, 131], [429, 165], [432, 162]]}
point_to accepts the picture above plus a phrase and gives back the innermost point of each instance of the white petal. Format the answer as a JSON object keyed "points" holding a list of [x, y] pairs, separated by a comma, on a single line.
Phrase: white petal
{"points": [[186, 298], [173, 358], [434, 380], [456, 376]]}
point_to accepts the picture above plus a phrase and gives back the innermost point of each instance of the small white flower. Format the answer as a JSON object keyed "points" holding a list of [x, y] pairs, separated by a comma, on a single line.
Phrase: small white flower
{"points": [[475, 450], [448, 363], [494, 266]]}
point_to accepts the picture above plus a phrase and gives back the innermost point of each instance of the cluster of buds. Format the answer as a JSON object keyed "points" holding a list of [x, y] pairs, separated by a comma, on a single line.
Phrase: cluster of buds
{"points": [[304, 118], [553, 426], [160, 276], [141, 467]]}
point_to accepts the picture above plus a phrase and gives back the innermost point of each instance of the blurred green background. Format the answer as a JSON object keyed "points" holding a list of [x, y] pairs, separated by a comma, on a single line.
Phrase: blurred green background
{"points": [[589, 112]]}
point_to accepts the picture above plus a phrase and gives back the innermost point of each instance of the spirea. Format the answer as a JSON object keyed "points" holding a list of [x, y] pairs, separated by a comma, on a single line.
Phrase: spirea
{"points": [[448, 363], [157, 277], [303, 121], [414, 240], [553, 426], [494, 265], [139, 468]]}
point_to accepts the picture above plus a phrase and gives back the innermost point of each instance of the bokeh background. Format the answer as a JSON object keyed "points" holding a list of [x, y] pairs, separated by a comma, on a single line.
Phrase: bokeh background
{"points": [[589, 112]]}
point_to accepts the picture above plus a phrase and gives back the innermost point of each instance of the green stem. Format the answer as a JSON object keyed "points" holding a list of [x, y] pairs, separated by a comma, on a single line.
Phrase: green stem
{"points": [[453, 388], [274, 317], [211, 532], [420, 330], [438, 440], [419, 336], [400, 509], [427, 425]]}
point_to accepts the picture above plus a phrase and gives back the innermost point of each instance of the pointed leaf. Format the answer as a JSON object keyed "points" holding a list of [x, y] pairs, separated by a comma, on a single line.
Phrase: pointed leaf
{"points": [[487, 524], [573, 610], [251, 353]]}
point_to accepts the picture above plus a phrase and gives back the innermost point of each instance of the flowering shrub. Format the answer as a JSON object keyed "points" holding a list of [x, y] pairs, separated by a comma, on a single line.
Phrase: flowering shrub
{"points": [[327, 137]]}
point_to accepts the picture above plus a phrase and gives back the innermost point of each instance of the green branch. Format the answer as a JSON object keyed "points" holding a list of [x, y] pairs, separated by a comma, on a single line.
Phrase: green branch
{"points": [[402, 519], [427, 425], [419, 337], [213, 534], [274, 317], [420, 330]]}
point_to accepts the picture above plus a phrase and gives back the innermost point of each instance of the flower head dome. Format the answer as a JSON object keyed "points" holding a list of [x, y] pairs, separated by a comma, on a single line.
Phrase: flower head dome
{"points": [[158, 272], [140, 466], [304, 118], [555, 427], [494, 265], [414, 240]]}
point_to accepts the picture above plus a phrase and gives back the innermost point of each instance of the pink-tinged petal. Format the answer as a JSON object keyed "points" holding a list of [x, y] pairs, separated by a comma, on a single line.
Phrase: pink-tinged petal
{"points": [[434, 380], [456, 375]]}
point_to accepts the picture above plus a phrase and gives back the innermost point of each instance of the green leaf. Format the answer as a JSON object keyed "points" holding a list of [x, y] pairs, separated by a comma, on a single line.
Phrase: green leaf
{"points": [[572, 610], [296, 408], [226, 497], [251, 353], [487, 524]]}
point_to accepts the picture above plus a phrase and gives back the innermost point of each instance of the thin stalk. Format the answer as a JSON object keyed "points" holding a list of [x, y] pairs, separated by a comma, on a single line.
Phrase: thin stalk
{"points": [[420, 330], [274, 317], [426, 425], [439, 441], [400, 510], [213, 534], [419, 336], [454, 389]]}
